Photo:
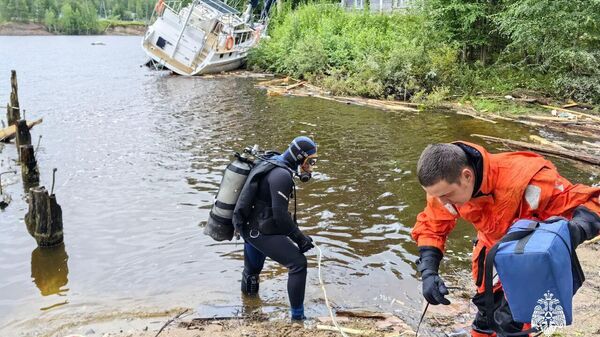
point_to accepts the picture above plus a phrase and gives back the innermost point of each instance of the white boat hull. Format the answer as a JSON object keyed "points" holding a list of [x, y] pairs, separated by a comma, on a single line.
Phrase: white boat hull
{"points": [[192, 42]]}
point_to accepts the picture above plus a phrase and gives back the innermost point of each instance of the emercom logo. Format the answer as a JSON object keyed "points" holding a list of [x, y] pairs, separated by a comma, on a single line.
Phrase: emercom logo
{"points": [[548, 314]]}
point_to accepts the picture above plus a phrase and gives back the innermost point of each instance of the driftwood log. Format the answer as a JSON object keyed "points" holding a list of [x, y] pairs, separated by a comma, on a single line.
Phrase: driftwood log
{"points": [[44, 218], [579, 156], [29, 169], [10, 132], [13, 113]]}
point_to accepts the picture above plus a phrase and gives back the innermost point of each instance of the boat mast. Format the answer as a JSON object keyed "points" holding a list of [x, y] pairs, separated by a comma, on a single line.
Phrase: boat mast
{"points": [[187, 19]]}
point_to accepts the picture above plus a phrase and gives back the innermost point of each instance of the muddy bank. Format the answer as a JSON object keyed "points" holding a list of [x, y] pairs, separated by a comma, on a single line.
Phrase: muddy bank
{"points": [[453, 320], [125, 30], [38, 29], [23, 29]]}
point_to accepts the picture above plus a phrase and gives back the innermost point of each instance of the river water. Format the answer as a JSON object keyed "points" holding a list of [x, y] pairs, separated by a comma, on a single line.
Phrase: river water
{"points": [[139, 157]]}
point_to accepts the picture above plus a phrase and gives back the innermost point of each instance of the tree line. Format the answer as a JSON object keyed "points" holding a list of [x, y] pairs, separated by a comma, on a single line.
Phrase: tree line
{"points": [[75, 16]]}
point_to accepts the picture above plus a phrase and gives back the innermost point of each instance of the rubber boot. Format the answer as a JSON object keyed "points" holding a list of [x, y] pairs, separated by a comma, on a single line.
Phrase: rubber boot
{"points": [[297, 315], [250, 284]]}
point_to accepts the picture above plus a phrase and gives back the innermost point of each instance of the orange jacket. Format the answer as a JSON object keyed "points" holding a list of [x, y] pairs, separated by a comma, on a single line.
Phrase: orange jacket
{"points": [[515, 185]]}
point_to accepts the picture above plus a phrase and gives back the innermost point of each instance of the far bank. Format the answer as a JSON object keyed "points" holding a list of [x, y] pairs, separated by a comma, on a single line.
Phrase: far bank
{"points": [[108, 27]]}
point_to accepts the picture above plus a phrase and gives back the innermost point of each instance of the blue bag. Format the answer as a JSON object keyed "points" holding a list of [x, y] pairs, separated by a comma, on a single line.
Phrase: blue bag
{"points": [[539, 271]]}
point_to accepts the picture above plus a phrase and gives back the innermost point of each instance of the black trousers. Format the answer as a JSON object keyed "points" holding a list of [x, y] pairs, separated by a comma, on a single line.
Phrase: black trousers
{"points": [[502, 322], [282, 250]]}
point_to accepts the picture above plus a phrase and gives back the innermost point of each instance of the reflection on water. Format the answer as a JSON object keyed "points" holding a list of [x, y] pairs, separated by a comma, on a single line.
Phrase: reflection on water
{"points": [[50, 270], [140, 156]]}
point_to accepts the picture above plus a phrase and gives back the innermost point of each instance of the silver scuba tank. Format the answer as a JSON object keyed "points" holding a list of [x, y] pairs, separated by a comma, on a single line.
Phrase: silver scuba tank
{"points": [[220, 226]]}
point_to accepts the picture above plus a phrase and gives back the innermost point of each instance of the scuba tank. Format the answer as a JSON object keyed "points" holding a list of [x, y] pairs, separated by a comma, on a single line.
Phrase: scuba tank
{"points": [[219, 226]]}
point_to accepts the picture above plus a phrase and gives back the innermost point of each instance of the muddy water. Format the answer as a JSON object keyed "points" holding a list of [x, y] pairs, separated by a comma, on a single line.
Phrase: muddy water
{"points": [[139, 157]]}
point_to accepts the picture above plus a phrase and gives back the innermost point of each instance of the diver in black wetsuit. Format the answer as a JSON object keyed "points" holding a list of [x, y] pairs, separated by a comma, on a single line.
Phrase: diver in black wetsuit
{"points": [[262, 218]]}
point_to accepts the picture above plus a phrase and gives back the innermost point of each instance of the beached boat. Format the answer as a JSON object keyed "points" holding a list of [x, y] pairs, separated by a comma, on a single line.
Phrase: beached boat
{"points": [[203, 37]]}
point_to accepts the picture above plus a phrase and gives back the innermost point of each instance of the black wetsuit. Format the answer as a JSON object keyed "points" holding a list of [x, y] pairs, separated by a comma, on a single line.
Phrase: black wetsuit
{"points": [[275, 189]]}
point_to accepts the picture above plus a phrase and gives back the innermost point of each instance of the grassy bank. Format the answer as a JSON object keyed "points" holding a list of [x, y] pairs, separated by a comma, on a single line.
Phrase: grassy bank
{"points": [[409, 56]]}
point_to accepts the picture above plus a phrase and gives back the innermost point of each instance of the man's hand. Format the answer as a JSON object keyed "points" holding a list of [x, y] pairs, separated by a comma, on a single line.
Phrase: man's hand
{"points": [[303, 241], [585, 225], [434, 289], [428, 264]]}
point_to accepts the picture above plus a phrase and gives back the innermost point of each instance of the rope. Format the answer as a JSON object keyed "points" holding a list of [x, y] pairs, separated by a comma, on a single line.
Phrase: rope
{"points": [[325, 292], [421, 320]]}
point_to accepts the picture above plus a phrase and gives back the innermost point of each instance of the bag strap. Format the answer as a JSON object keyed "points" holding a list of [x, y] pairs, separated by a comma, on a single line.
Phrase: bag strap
{"points": [[489, 271]]}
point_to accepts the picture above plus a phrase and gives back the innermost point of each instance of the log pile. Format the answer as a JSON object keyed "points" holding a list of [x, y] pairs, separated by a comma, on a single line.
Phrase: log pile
{"points": [[289, 87], [548, 147]]}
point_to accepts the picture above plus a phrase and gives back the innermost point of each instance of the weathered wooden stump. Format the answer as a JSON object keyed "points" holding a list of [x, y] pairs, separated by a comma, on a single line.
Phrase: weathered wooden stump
{"points": [[29, 169], [13, 112], [23, 135], [44, 218]]}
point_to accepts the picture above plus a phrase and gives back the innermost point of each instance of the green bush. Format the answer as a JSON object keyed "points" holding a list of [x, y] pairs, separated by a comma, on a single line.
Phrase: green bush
{"points": [[441, 47], [356, 53]]}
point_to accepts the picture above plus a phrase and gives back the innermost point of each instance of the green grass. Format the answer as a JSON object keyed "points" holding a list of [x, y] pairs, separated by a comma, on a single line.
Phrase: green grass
{"points": [[501, 106]]}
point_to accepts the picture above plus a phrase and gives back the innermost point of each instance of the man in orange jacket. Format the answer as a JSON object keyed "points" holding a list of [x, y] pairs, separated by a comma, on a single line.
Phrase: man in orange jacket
{"points": [[463, 180]]}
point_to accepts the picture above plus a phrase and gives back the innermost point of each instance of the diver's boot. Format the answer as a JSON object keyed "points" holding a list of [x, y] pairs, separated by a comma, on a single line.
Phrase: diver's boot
{"points": [[249, 284], [298, 315]]}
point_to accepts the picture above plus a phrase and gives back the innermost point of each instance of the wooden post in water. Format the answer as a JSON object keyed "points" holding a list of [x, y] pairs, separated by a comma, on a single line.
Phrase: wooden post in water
{"points": [[29, 168], [44, 218], [23, 135], [13, 113]]}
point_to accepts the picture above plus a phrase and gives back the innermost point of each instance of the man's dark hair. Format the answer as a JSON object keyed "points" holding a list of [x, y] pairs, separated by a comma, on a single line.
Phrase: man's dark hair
{"points": [[441, 162]]}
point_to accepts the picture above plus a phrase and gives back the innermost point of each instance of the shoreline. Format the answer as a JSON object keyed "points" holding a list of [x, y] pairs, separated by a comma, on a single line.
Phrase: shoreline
{"points": [[38, 29], [566, 129], [452, 320]]}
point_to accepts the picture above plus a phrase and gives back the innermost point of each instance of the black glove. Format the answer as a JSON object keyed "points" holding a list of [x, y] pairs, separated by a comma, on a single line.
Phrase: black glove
{"points": [[428, 265], [585, 225], [303, 241]]}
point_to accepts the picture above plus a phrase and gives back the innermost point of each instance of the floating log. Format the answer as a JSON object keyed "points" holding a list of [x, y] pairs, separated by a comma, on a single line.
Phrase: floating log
{"points": [[279, 87], [10, 132], [546, 142], [29, 168], [44, 218], [579, 156], [573, 128]]}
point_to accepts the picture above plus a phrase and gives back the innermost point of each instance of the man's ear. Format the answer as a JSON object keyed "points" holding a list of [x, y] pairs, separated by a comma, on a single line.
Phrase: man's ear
{"points": [[468, 174]]}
